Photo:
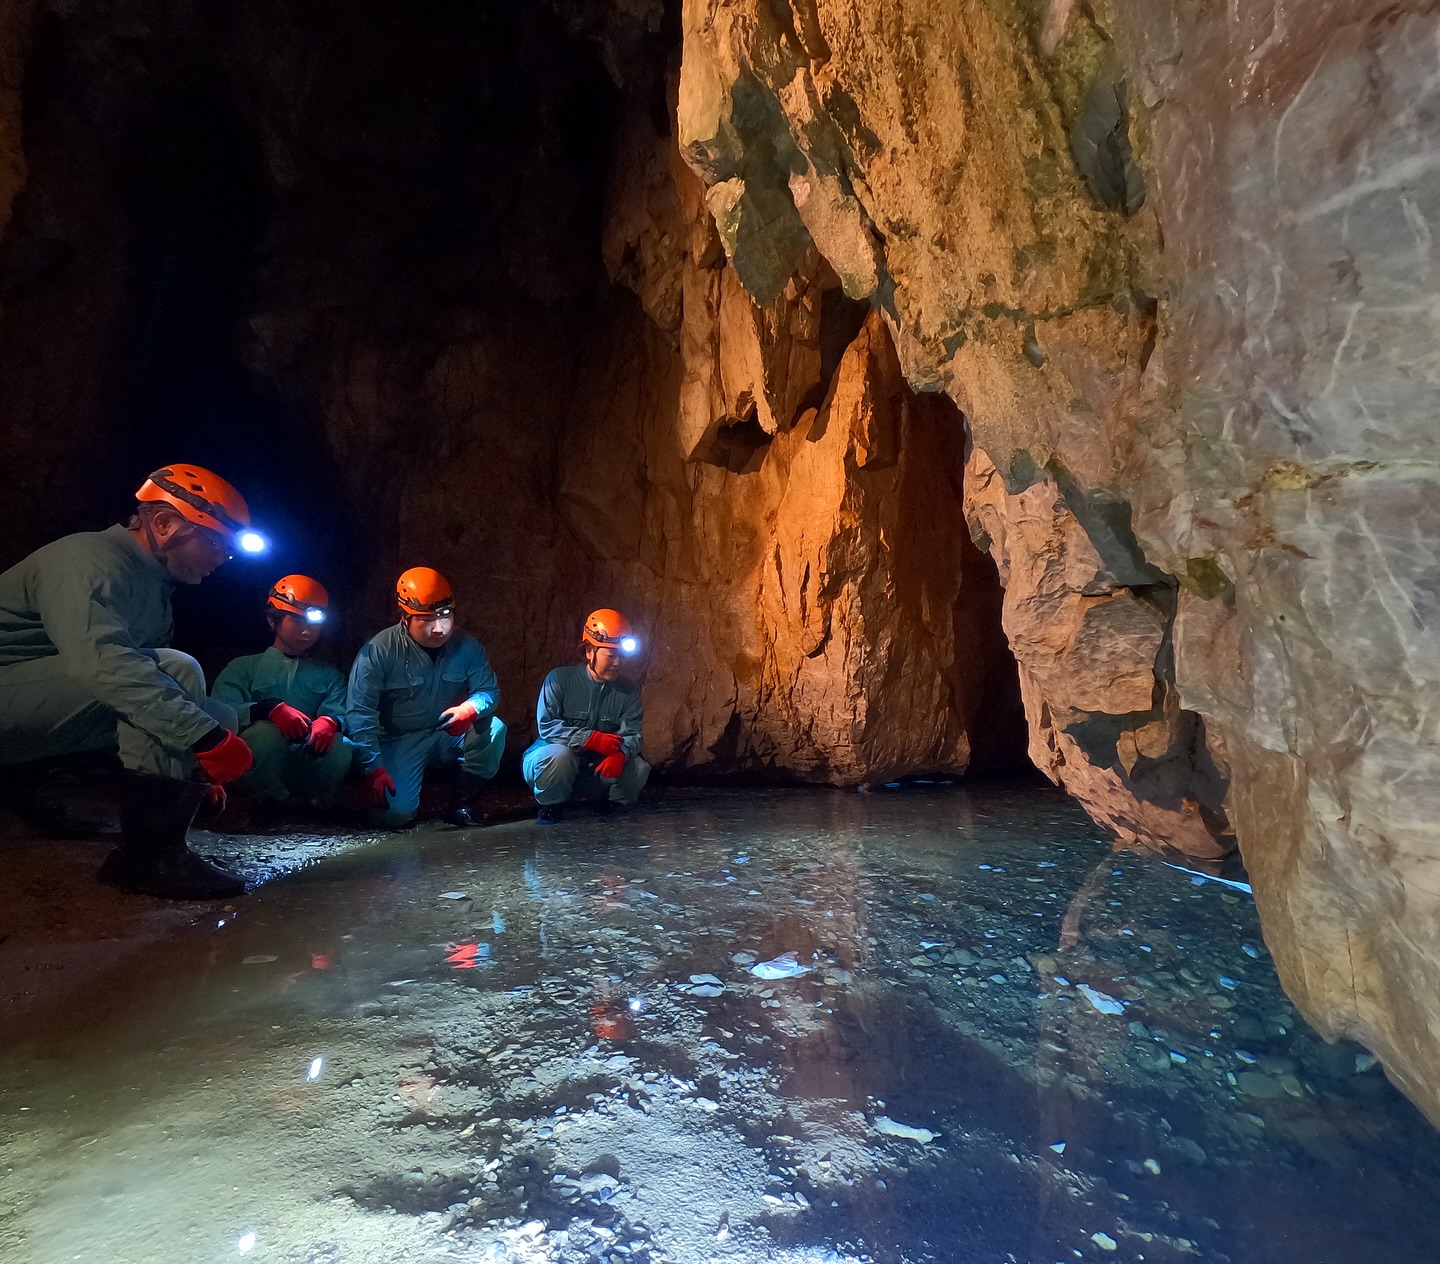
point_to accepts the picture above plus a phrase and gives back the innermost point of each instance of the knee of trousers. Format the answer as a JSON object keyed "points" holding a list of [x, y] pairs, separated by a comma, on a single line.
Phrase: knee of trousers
{"points": [[266, 741], [336, 761], [551, 766], [399, 810], [484, 747], [185, 672]]}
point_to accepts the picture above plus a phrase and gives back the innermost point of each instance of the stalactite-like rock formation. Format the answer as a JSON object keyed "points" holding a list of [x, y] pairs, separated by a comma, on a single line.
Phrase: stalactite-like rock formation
{"points": [[1162, 257]]}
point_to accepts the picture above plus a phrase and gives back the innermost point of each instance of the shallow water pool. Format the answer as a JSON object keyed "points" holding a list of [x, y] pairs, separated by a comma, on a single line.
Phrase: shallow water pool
{"points": [[981, 1035]]}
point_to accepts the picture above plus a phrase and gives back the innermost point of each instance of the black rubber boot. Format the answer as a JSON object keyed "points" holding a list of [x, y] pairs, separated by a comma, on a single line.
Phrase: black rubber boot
{"points": [[153, 857], [550, 813], [462, 813]]}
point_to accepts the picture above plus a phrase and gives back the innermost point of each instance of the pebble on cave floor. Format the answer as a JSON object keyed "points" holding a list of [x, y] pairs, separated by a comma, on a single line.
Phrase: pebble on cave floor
{"points": [[552, 1045]]}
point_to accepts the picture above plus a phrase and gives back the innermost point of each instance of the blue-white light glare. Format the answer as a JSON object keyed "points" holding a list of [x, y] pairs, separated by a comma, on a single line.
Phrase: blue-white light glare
{"points": [[314, 615], [246, 1243], [628, 645], [316, 1066], [251, 542]]}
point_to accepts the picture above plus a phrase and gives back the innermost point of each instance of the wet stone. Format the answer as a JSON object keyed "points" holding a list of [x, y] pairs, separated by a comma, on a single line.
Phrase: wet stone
{"points": [[1257, 1084]]}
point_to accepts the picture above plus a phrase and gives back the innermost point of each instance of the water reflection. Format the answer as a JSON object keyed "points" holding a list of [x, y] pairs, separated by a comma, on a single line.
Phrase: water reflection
{"points": [[927, 1025]]}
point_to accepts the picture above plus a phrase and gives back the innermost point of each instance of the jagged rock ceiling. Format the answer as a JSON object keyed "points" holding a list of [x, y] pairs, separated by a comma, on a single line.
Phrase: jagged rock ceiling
{"points": [[753, 315]]}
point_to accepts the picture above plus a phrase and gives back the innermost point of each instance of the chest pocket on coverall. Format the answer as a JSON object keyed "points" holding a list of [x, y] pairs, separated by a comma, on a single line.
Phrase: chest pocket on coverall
{"points": [[405, 702]]}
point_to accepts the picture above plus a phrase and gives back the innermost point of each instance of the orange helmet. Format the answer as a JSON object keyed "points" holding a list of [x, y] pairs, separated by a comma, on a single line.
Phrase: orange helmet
{"points": [[299, 594], [609, 629], [200, 497], [421, 590]]}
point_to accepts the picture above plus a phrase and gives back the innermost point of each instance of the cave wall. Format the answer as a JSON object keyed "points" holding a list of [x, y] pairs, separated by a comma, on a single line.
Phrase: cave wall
{"points": [[430, 293], [1173, 262], [817, 612], [761, 484]]}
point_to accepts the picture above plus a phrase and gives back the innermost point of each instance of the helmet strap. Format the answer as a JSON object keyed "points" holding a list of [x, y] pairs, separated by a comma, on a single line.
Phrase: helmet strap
{"points": [[157, 550]]}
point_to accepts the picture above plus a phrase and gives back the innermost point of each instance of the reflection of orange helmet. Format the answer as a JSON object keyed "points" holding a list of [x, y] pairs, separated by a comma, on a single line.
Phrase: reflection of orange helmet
{"points": [[609, 629], [298, 594], [198, 496], [421, 590]]}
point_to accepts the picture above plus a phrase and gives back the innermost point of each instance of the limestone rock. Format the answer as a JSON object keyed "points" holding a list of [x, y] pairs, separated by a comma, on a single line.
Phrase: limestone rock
{"points": [[1168, 260], [821, 614]]}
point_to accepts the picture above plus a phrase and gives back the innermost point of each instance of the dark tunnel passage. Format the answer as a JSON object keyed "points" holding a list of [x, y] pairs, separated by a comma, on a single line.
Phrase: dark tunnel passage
{"points": [[367, 174]]}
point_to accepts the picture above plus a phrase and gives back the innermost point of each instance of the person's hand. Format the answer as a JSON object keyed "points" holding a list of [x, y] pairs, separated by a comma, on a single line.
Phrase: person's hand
{"points": [[379, 785], [322, 734], [611, 766], [225, 758], [294, 725], [457, 720], [215, 800], [603, 743]]}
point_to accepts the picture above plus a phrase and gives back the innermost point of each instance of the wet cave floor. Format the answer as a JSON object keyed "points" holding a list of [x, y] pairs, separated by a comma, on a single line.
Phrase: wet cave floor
{"points": [[996, 1040]]}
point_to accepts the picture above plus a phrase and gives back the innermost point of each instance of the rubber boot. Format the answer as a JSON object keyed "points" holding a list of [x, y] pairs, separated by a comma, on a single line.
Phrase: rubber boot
{"points": [[461, 814], [153, 857]]}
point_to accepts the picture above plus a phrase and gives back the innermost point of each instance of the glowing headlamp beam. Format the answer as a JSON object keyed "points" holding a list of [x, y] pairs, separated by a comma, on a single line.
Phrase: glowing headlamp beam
{"points": [[251, 542], [628, 645], [314, 615]]}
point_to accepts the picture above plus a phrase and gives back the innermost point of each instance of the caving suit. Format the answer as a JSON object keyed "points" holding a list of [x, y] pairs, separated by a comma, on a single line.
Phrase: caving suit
{"points": [[398, 690], [572, 705], [84, 623], [285, 770]]}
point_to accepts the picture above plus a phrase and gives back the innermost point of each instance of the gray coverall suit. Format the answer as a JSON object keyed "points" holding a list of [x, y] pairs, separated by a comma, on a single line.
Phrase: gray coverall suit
{"points": [[83, 664]]}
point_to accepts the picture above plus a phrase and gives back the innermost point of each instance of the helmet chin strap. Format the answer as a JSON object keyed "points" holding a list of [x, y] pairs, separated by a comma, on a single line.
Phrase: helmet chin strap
{"points": [[159, 551], [155, 548]]}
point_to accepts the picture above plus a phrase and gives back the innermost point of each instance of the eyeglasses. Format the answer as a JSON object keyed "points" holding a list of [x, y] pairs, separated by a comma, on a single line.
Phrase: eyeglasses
{"points": [[217, 542]]}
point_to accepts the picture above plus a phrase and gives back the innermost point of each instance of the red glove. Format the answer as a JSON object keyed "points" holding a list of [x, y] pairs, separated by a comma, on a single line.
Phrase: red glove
{"points": [[456, 720], [322, 734], [611, 766], [603, 743], [294, 725], [226, 759], [379, 785]]}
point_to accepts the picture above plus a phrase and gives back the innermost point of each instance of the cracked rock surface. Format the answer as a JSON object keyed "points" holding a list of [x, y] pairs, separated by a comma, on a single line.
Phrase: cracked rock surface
{"points": [[1174, 264]]}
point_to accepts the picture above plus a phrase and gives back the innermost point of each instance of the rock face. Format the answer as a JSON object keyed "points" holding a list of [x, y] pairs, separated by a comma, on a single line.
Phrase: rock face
{"points": [[820, 611], [1169, 261]]}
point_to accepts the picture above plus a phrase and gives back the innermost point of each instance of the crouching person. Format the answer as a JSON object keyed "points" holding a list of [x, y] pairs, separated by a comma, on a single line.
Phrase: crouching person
{"points": [[84, 666], [423, 696], [589, 717], [291, 706]]}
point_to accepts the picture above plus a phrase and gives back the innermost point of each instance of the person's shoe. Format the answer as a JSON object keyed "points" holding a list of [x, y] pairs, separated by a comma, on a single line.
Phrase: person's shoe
{"points": [[153, 857], [462, 812], [549, 813]]}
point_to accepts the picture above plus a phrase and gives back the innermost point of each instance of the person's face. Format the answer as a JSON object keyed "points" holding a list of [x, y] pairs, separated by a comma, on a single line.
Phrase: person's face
{"points": [[430, 630], [295, 636], [604, 662], [190, 553]]}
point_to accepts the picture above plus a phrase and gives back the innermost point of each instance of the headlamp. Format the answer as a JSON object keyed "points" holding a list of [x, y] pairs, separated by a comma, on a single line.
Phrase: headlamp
{"points": [[628, 645], [313, 614], [251, 543]]}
